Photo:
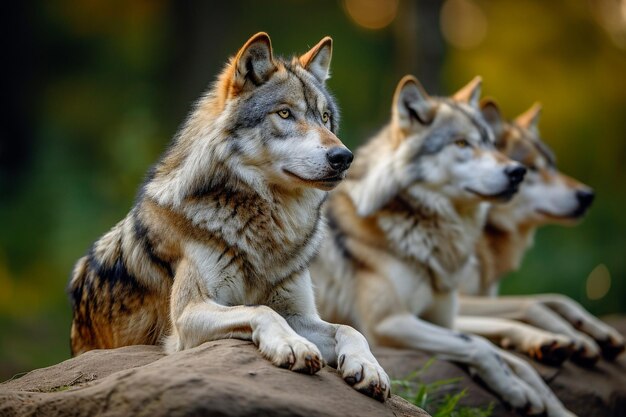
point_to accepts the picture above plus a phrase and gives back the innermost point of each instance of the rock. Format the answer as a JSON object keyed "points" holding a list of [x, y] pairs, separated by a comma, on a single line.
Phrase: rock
{"points": [[230, 378], [221, 378], [600, 391]]}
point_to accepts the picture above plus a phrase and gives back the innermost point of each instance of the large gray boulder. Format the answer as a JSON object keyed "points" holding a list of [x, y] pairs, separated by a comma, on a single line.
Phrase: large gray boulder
{"points": [[221, 378]]}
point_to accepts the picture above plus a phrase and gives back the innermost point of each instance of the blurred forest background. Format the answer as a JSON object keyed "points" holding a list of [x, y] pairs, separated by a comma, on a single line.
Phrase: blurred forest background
{"points": [[94, 90]]}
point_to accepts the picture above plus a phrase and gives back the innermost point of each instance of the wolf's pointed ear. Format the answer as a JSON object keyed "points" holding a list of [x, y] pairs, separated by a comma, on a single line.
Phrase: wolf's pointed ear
{"points": [[530, 118], [470, 94], [317, 60], [491, 113], [410, 102], [254, 63]]}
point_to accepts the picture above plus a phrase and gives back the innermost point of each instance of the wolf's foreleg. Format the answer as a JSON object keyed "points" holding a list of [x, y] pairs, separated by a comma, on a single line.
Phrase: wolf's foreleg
{"points": [[554, 407], [610, 340], [348, 351], [547, 347], [483, 358], [554, 313], [342, 346], [197, 319]]}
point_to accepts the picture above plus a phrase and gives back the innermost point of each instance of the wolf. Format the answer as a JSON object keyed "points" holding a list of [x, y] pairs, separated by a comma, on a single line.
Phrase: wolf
{"points": [[402, 231], [220, 238], [554, 326]]}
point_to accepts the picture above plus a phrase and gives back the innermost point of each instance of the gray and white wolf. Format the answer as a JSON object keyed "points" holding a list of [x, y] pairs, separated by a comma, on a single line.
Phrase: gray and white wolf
{"points": [[548, 327], [219, 240], [402, 232]]}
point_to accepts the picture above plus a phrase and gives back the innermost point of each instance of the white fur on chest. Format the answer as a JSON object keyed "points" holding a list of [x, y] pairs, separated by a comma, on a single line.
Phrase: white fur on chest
{"points": [[411, 285], [272, 241], [434, 254], [415, 291], [440, 246], [471, 282]]}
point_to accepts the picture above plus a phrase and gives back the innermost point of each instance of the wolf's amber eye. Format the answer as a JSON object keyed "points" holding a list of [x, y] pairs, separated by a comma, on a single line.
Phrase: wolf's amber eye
{"points": [[284, 113], [325, 117], [461, 143]]}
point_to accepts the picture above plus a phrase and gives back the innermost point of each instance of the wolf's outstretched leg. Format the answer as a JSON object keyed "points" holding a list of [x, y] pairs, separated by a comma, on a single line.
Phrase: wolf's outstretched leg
{"points": [[611, 342], [546, 347], [554, 313], [483, 358], [342, 346], [554, 407], [346, 349]]}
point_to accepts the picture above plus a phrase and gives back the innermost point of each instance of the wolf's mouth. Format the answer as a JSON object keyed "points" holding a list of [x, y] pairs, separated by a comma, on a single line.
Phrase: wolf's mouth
{"points": [[503, 196], [576, 214], [325, 182]]}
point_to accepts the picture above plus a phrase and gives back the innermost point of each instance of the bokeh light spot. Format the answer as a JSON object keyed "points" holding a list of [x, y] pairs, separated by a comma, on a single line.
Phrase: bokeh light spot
{"points": [[598, 282], [372, 14], [463, 23], [611, 14]]}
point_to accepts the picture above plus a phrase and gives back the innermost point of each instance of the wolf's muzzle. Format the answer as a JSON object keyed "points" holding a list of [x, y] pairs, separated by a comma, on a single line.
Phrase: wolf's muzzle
{"points": [[585, 198], [515, 174], [339, 158]]}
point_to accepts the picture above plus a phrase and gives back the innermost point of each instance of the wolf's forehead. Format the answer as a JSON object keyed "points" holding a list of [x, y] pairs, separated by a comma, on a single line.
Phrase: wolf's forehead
{"points": [[299, 85], [286, 88], [451, 123], [467, 120], [535, 149]]}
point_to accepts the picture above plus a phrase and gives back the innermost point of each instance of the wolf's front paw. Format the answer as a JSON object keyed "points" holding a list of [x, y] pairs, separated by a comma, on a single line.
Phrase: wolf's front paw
{"points": [[515, 393], [294, 353], [606, 341], [587, 352], [549, 348], [366, 376], [553, 351], [612, 346]]}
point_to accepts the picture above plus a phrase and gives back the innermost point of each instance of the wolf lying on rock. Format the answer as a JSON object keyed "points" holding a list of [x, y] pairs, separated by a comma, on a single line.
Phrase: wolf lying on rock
{"points": [[222, 232]]}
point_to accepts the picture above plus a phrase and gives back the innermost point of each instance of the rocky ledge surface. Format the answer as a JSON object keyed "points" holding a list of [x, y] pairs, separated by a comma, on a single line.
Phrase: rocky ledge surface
{"points": [[221, 378], [230, 378]]}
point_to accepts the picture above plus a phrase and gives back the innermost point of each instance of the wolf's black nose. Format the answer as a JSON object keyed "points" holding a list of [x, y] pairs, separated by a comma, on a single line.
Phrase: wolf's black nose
{"points": [[339, 158], [585, 198], [515, 173]]}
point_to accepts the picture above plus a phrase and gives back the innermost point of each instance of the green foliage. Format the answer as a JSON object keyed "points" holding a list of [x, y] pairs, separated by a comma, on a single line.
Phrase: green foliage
{"points": [[437, 397]]}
